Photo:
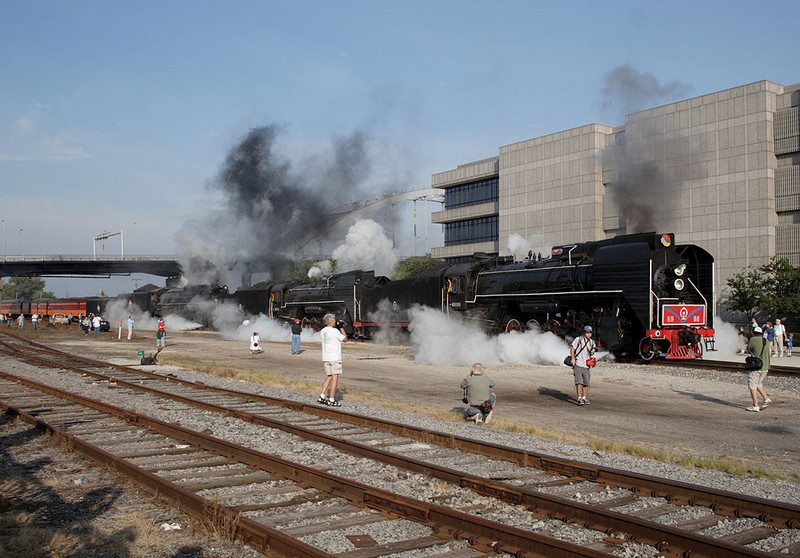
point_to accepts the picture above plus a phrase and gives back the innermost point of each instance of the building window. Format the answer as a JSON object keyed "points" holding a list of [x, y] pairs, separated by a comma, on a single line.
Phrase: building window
{"points": [[473, 193], [471, 231]]}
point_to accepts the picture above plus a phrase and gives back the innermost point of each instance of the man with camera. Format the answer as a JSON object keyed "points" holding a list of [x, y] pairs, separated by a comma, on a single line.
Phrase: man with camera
{"points": [[333, 336], [582, 349], [478, 395]]}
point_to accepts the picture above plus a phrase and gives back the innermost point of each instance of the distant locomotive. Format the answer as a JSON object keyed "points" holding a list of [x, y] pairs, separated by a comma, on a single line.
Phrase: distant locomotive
{"points": [[642, 293]]}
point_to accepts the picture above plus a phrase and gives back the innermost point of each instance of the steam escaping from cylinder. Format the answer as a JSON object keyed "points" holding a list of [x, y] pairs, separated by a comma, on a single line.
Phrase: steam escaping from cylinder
{"points": [[441, 339]]}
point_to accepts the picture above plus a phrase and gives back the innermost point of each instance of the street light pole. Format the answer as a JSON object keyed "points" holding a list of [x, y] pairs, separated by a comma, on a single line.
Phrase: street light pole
{"points": [[4, 241], [137, 240], [19, 243]]}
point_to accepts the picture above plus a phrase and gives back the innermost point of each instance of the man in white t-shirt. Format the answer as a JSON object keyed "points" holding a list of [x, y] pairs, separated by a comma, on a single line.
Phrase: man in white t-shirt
{"points": [[778, 334], [332, 339]]}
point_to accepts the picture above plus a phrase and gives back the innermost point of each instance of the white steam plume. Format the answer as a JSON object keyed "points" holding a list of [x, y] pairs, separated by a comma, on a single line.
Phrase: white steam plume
{"points": [[519, 247], [439, 339], [324, 267], [727, 341], [366, 247], [119, 309]]}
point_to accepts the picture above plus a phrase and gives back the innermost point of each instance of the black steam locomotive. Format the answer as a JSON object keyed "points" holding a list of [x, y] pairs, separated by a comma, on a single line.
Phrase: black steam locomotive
{"points": [[642, 293]]}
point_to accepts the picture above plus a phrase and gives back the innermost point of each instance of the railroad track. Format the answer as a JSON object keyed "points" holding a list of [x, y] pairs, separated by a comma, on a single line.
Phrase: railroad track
{"points": [[619, 506], [724, 366]]}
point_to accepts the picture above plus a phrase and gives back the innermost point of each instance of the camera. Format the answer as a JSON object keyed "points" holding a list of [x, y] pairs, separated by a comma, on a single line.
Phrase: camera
{"points": [[339, 324]]}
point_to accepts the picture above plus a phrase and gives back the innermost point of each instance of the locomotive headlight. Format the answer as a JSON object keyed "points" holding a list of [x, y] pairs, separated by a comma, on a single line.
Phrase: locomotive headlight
{"points": [[678, 284], [680, 271]]}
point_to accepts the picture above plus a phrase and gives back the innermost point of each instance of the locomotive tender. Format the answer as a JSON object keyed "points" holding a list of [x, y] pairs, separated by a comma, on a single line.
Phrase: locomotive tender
{"points": [[641, 292]]}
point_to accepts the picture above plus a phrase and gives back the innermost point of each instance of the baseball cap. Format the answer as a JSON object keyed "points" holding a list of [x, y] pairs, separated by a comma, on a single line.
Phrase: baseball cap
{"points": [[587, 329], [756, 329]]}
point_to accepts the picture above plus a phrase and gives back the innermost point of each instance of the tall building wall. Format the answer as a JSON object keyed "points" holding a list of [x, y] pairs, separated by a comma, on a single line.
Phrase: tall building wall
{"points": [[705, 169], [551, 189], [720, 170]]}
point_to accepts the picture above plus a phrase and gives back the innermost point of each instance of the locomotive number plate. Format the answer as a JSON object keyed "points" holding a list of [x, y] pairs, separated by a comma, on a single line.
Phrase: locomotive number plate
{"points": [[683, 314]]}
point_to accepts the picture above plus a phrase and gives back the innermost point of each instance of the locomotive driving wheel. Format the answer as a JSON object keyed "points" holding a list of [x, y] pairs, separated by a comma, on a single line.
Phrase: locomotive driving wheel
{"points": [[647, 348], [513, 325]]}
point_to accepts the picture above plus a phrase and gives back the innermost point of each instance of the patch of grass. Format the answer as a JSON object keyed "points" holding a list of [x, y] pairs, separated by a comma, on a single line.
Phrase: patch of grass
{"points": [[246, 374]]}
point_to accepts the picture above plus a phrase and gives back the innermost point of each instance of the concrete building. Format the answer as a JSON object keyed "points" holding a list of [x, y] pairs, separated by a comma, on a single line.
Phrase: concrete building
{"points": [[721, 171]]}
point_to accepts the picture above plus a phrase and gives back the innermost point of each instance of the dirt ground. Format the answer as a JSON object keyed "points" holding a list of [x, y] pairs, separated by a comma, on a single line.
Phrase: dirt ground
{"points": [[670, 411]]}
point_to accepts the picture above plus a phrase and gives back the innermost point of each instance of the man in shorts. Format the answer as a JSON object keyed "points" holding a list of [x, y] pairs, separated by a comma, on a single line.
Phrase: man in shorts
{"points": [[758, 346], [582, 349], [332, 339]]}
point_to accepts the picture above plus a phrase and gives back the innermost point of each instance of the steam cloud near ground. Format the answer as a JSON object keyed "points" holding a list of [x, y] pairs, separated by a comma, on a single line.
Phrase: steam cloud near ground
{"points": [[440, 339]]}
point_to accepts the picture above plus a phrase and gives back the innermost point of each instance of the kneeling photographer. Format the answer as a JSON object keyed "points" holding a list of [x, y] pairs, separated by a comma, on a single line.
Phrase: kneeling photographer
{"points": [[478, 395]]}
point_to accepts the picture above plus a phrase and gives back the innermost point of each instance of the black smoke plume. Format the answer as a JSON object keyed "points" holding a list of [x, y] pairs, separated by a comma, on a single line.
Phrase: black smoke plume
{"points": [[627, 90], [647, 190], [264, 210]]}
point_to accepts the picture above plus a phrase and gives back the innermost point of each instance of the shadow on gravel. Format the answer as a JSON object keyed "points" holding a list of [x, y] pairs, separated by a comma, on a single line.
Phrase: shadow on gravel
{"points": [[46, 514], [704, 397], [556, 394], [37, 520], [779, 430]]}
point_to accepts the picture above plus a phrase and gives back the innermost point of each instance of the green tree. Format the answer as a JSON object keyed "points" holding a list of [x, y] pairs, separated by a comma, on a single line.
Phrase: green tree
{"points": [[747, 290], [413, 265], [781, 288], [25, 288]]}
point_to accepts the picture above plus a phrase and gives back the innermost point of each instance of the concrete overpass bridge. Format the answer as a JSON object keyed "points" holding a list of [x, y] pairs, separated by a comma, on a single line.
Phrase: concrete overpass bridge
{"points": [[88, 266], [168, 267]]}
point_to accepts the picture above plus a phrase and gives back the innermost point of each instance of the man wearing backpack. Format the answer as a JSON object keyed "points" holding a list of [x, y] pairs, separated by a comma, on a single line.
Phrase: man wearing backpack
{"points": [[757, 346]]}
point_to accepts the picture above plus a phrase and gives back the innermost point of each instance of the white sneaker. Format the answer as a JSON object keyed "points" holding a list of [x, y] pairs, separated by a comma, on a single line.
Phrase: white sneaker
{"points": [[767, 402], [754, 408], [478, 418], [488, 418]]}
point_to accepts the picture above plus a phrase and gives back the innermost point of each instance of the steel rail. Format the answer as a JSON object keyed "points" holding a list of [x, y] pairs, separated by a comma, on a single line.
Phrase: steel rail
{"points": [[677, 541], [721, 502], [455, 524], [257, 535]]}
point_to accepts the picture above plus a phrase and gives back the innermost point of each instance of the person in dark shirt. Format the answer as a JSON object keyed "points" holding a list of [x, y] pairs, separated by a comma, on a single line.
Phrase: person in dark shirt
{"points": [[297, 329]]}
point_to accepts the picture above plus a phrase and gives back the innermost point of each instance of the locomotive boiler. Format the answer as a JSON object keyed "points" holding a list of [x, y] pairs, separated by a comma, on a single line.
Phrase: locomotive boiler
{"points": [[642, 293]]}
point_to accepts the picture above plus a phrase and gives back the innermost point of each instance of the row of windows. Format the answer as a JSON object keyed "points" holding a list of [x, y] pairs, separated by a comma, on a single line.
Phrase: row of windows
{"points": [[474, 193], [472, 230]]}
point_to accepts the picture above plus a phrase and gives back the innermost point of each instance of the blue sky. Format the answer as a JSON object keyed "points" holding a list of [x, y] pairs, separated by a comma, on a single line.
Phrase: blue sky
{"points": [[114, 113]]}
